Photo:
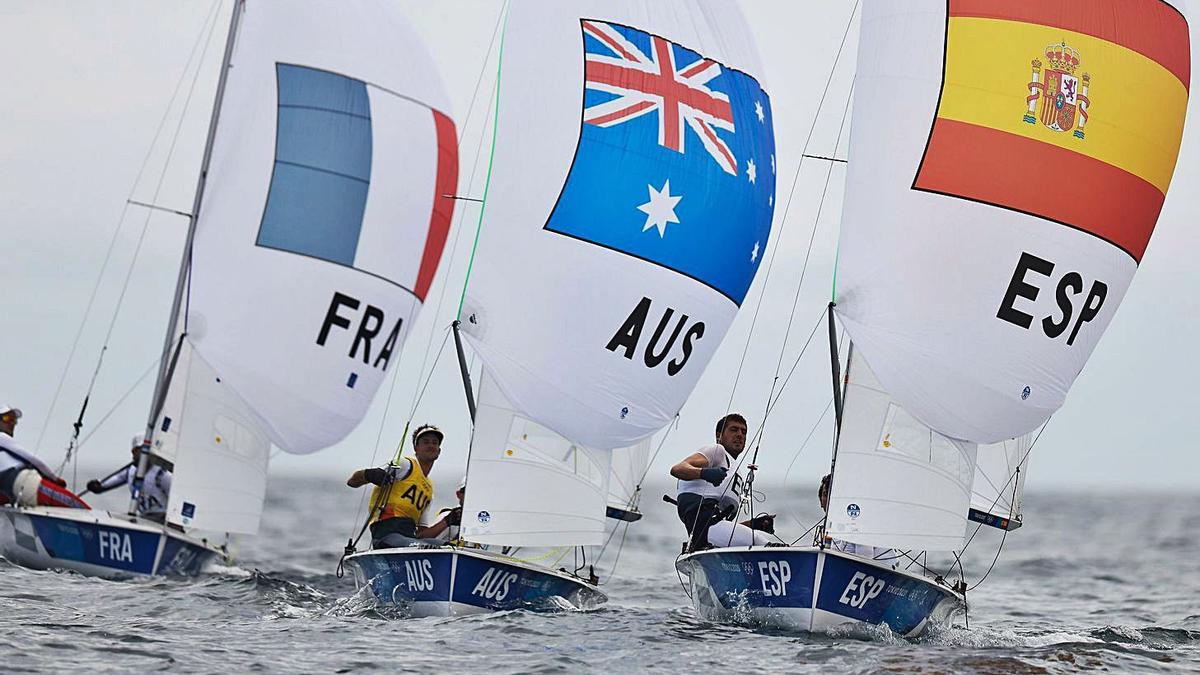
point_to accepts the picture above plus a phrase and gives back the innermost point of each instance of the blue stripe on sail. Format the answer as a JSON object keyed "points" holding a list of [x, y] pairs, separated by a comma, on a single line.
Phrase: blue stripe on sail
{"points": [[322, 165]]}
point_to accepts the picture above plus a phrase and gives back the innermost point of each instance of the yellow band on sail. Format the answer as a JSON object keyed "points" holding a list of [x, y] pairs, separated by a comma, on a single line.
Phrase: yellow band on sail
{"points": [[1136, 111]]}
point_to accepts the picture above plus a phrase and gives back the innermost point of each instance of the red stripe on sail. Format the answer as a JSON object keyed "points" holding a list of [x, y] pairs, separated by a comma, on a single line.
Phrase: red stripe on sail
{"points": [[1006, 170], [445, 184], [1151, 28]]}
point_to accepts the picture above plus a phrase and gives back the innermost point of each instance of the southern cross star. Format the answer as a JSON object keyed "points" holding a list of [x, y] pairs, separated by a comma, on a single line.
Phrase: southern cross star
{"points": [[758, 110], [754, 253], [660, 210]]}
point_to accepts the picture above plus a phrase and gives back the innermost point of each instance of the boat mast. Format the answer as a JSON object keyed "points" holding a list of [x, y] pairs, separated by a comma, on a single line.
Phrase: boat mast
{"points": [[838, 402], [172, 347], [466, 372]]}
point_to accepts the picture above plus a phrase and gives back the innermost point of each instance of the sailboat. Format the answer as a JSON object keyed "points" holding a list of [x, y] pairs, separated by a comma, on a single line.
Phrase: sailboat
{"points": [[630, 194], [317, 225], [1008, 163]]}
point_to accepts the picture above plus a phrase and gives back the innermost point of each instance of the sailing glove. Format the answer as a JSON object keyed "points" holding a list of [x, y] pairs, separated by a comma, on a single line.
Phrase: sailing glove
{"points": [[454, 517], [378, 476], [714, 474], [94, 485]]}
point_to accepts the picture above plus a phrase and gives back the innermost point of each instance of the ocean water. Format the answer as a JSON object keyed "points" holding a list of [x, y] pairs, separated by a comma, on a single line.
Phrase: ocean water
{"points": [[1094, 581]]}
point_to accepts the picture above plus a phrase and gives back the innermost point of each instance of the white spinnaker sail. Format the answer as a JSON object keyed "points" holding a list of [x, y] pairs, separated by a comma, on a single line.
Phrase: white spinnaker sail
{"points": [[897, 483], [220, 454], [527, 485], [1008, 162], [630, 201], [321, 225], [323, 219], [998, 486]]}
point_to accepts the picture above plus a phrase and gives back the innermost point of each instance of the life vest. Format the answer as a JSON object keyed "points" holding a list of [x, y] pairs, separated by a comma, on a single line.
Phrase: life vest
{"points": [[406, 498]]}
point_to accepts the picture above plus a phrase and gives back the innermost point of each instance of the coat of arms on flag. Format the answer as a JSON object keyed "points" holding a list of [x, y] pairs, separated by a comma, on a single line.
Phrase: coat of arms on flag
{"points": [[675, 163], [1058, 92]]}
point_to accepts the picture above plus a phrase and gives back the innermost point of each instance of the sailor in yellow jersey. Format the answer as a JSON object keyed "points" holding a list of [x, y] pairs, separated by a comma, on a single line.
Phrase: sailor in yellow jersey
{"points": [[402, 493]]}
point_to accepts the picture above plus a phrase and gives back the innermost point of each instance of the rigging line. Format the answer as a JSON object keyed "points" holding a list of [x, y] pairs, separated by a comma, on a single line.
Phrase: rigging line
{"points": [[146, 223], [1011, 505], [812, 237], [113, 409], [487, 183], [787, 205], [773, 402], [803, 445], [1010, 480], [470, 188], [120, 222], [671, 427], [800, 285]]}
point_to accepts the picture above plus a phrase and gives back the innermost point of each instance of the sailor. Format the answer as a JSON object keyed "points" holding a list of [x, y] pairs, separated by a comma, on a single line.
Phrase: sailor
{"points": [[862, 550], [709, 493], [156, 484], [25, 480], [402, 493]]}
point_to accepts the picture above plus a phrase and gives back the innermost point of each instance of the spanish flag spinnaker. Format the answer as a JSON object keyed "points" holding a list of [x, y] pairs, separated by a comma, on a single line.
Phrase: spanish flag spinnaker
{"points": [[1009, 160]]}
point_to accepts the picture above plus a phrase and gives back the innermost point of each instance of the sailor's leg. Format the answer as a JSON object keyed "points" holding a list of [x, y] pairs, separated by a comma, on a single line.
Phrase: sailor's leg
{"points": [[697, 514], [726, 533]]}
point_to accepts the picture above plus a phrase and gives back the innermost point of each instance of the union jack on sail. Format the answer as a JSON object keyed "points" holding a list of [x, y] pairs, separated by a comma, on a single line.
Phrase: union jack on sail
{"points": [[646, 83]]}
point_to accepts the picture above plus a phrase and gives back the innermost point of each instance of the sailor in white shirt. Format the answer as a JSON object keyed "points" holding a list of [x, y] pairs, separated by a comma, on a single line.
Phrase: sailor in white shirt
{"points": [[156, 484], [25, 480], [709, 492]]}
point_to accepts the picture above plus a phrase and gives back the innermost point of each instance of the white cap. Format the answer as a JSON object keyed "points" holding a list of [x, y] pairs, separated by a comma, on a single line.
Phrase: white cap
{"points": [[139, 439], [5, 409]]}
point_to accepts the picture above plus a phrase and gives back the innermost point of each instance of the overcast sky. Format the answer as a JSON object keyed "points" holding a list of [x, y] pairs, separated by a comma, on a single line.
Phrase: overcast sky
{"points": [[85, 85]]}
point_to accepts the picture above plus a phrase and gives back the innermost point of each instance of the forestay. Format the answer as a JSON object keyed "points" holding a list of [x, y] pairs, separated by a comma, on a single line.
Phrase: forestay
{"points": [[320, 228], [323, 219], [628, 469], [998, 486], [1008, 162], [897, 483], [630, 202]]}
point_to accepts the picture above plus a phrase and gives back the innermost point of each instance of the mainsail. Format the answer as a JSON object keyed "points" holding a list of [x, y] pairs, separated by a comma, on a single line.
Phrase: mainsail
{"points": [[630, 201], [324, 215], [1008, 162]]}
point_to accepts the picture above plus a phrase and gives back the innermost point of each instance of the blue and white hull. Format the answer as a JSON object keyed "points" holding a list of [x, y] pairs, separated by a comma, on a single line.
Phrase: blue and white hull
{"points": [[813, 590], [453, 582], [97, 543]]}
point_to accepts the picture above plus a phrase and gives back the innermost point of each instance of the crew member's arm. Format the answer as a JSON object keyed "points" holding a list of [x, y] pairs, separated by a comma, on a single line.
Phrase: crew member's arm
{"points": [[696, 467], [379, 476], [21, 453], [450, 517], [112, 480]]}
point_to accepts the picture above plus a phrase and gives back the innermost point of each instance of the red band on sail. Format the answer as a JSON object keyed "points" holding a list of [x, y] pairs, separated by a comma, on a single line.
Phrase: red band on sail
{"points": [[443, 206], [996, 167], [1152, 28]]}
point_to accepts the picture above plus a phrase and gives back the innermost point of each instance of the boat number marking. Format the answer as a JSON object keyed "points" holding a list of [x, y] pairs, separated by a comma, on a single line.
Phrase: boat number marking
{"points": [[420, 574], [116, 546], [775, 576], [864, 587], [494, 584]]}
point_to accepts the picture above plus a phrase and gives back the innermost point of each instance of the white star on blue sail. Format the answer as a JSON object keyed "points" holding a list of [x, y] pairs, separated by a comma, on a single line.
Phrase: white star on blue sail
{"points": [[660, 210]]}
